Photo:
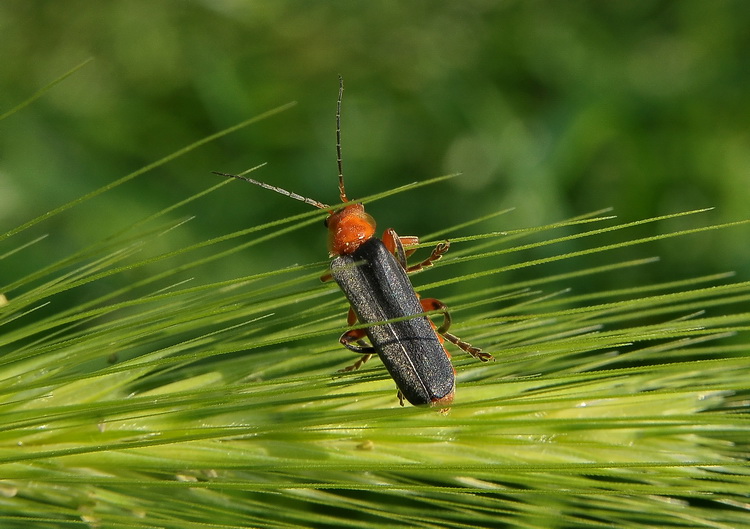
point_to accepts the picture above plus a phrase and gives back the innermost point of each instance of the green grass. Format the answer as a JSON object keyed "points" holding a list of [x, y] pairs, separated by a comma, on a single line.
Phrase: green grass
{"points": [[137, 392]]}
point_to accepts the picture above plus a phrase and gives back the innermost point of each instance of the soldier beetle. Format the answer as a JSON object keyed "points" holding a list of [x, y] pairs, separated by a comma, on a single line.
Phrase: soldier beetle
{"points": [[372, 273]]}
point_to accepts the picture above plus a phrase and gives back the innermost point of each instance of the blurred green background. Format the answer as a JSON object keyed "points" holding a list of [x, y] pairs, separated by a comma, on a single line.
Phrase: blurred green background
{"points": [[554, 108]]}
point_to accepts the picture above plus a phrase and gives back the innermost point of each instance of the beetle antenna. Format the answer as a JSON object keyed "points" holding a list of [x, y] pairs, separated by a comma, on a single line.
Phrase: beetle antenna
{"points": [[342, 190], [279, 190]]}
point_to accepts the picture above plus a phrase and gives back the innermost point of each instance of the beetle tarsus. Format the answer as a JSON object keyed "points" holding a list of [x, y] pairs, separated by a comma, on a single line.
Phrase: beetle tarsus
{"points": [[476, 352], [359, 363], [436, 254]]}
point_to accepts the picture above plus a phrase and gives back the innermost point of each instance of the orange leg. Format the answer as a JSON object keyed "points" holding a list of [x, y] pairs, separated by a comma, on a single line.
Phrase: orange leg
{"points": [[367, 351], [399, 247], [430, 304], [355, 336], [395, 245], [436, 254]]}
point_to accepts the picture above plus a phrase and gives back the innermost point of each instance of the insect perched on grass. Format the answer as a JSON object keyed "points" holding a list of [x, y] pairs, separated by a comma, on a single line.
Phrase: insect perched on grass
{"points": [[372, 273]]}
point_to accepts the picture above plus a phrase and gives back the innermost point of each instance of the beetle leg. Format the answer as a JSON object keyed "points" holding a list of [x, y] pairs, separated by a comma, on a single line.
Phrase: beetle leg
{"points": [[361, 347], [349, 338], [430, 304], [395, 244], [408, 242], [351, 317], [436, 254], [476, 352], [400, 398], [356, 365], [399, 247]]}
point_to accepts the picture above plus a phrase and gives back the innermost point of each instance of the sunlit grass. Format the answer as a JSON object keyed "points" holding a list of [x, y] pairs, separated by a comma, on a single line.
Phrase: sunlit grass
{"points": [[171, 402], [227, 393]]}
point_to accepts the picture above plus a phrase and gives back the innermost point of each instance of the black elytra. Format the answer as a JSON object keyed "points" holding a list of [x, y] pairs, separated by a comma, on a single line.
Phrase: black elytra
{"points": [[378, 289]]}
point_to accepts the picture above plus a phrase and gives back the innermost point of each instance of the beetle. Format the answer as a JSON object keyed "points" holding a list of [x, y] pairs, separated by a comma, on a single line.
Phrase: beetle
{"points": [[372, 273]]}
